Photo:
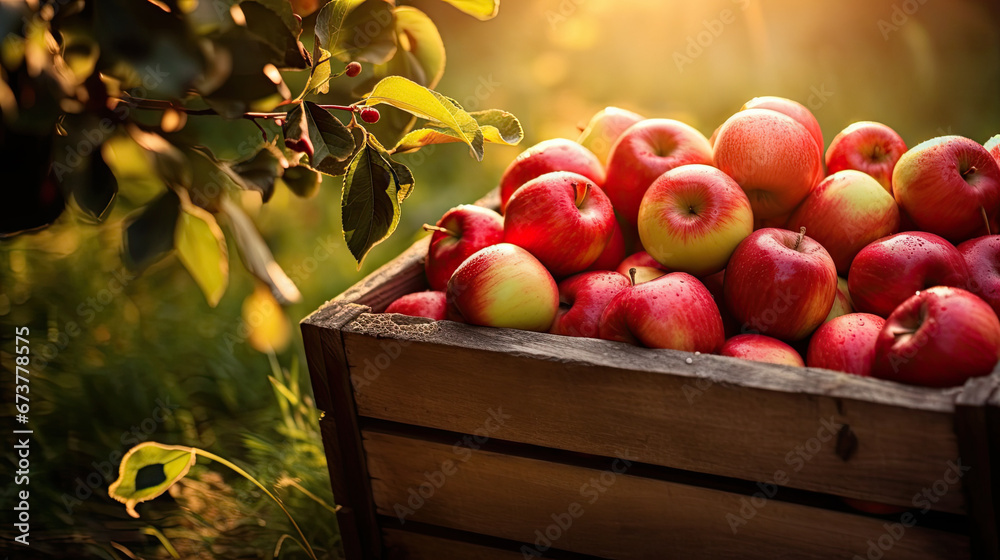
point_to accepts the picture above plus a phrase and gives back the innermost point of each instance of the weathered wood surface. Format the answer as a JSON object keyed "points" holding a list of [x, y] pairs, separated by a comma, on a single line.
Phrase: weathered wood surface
{"points": [[715, 415], [329, 371], [404, 545], [599, 512]]}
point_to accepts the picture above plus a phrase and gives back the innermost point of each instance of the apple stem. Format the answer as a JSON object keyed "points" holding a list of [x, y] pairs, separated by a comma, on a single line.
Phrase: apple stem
{"points": [[581, 195], [798, 241], [631, 274], [986, 219], [972, 169], [446, 231]]}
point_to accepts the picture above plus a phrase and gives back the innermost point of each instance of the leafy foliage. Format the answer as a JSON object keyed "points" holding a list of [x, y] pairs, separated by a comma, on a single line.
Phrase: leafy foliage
{"points": [[75, 75]]}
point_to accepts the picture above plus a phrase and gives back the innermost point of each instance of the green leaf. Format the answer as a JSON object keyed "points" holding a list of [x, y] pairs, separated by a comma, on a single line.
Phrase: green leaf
{"points": [[201, 247], [257, 257], [149, 232], [368, 33], [338, 168], [273, 22], [302, 180], [498, 127], [369, 202], [329, 23], [431, 105], [479, 9], [313, 130], [261, 170], [148, 470], [401, 174], [421, 53]]}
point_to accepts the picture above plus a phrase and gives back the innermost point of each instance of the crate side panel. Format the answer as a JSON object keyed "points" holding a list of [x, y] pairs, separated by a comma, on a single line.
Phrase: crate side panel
{"points": [[819, 428], [610, 513]]}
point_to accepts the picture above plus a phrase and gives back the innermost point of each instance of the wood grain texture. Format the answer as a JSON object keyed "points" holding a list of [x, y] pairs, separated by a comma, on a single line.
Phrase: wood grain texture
{"points": [[623, 516], [404, 545], [716, 415], [331, 383]]}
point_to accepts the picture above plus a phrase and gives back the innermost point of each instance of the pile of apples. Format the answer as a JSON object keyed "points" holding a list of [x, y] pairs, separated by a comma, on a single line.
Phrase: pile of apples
{"points": [[874, 259]]}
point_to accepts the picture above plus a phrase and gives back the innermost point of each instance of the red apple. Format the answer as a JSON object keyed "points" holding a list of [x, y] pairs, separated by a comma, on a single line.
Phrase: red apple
{"points": [[866, 146], [982, 256], [845, 212], [940, 337], [780, 283], [462, 231], [645, 151], [563, 219], [674, 311], [890, 270], [760, 348], [582, 300], [558, 154], [793, 109], [846, 343], [646, 267], [604, 129], [692, 218], [842, 304], [714, 283], [503, 286], [614, 251], [431, 304], [772, 157], [949, 186]]}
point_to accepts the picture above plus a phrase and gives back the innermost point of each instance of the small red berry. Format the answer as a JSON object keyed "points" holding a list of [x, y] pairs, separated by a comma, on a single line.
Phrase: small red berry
{"points": [[353, 69], [370, 115]]}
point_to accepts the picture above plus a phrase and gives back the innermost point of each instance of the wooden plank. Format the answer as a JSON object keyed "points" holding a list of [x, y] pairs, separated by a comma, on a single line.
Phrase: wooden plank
{"points": [[349, 479], [972, 427], [406, 545], [716, 415], [613, 514]]}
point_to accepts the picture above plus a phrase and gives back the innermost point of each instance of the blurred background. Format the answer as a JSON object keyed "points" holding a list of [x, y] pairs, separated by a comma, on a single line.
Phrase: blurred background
{"points": [[232, 377]]}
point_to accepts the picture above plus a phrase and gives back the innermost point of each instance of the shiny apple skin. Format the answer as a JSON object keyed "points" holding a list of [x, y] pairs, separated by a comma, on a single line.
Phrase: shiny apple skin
{"points": [[674, 311], [888, 271], [940, 337], [475, 228], [844, 213], [557, 154], [761, 348], [431, 304], [866, 146], [793, 109], [646, 267], [945, 185], [846, 343], [582, 300], [503, 286], [692, 218], [613, 253], [775, 289], [982, 256], [772, 157], [645, 151]]}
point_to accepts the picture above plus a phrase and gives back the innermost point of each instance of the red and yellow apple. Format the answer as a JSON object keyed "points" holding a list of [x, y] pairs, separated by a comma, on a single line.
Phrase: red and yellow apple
{"points": [[949, 186], [761, 348], [982, 256], [646, 267], [431, 304], [645, 151], [869, 147], [674, 311], [558, 154], [462, 231], [604, 128], [780, 283], [772, 157], [503, 286], [582, 300], [793, 109], [692, 218], [940, 337], [844, 213], [561, 218], [888, 271]]}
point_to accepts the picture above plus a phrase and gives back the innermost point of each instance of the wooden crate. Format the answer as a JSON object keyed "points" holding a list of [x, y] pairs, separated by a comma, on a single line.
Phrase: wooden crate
{"points": [[452, 441]]}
